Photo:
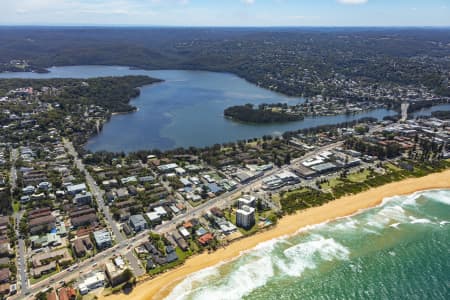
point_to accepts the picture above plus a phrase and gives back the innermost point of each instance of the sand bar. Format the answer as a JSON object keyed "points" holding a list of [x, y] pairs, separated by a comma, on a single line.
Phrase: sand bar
{"points": [[160, 286]]}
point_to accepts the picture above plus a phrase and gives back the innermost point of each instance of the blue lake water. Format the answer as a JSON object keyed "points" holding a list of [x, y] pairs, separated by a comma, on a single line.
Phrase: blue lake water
{"points": [[186, 109]]}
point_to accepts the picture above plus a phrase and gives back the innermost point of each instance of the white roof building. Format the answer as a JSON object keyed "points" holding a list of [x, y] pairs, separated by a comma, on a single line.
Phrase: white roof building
{"points": [[180, 171], [168, 167], [76, 188], [312, 162], [160, 211], [94, 281], [184, 232], [153, 216]]}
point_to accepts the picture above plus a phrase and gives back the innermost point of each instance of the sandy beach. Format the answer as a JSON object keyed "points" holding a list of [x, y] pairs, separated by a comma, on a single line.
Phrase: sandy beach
{"points": [[160, 286]]}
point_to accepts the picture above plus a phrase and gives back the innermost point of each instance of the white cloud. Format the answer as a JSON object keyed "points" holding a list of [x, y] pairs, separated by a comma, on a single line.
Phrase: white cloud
{"points": [[248, 1], [352, 2]]}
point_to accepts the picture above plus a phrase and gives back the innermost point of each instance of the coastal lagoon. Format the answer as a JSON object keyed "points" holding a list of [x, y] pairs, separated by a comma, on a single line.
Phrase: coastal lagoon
{"points": [[397, 250], [187, 109]]}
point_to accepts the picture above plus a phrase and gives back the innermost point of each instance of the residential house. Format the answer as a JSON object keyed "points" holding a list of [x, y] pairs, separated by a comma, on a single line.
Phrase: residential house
{"points": [[67, 293], [84, 220], [83, 198], [76, 189], [102, 239], [138, 223], [42, 224], [5, 274], [205, 239]]}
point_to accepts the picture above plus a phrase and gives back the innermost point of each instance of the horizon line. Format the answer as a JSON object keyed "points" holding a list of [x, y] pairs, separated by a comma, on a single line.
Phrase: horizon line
{"points": [[223, 26]]}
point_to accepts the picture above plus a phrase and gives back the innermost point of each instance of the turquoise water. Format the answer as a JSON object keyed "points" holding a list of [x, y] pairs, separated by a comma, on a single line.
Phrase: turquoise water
{"points": [[398, 250]]}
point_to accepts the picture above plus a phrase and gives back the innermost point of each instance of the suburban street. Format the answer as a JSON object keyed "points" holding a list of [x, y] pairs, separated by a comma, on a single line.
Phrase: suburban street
{"points": [[136, 267], [21, 261]]}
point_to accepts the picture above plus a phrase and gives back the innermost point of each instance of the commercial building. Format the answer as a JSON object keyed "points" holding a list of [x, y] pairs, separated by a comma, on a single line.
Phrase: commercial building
{"points": [[279, 180], [324, 168]]}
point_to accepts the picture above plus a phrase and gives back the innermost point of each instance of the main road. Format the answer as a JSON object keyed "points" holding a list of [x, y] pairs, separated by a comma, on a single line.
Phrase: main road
{"points": [[226, 199], [21, 261], [99, 194]]}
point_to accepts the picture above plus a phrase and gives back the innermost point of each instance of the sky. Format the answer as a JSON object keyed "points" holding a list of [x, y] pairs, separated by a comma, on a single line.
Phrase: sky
{"points": [[226, 12]]}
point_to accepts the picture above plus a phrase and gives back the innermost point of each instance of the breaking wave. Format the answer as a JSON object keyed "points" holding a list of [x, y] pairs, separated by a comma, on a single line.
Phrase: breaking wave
{"points": [[311, 247]]}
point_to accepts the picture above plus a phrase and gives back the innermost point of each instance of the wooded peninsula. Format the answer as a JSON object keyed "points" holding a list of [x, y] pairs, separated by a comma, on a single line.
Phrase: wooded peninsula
{"points": [[261, 114]]}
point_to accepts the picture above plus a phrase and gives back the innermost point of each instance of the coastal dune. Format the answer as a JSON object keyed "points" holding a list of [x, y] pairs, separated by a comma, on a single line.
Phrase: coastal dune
{"points": [[161, 286]]}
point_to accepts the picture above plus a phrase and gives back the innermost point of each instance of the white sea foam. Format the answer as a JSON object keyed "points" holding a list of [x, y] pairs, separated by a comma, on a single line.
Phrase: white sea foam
{"points": [[233, 286], [349, 224], [393, 213], [386, 215], [419, 221], [412, 199], [442, 196], [395, 225], [308, 254], [388, 200], [187, 286], [371, 231]]}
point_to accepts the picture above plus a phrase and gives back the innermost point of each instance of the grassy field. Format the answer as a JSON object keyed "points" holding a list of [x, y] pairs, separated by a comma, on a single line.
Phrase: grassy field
{"points": [[392, 167], [329, 185], [359, 176]]}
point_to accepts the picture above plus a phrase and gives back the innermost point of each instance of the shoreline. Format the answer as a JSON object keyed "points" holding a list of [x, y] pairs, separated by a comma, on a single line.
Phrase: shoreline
{"points": [[161, 286]]}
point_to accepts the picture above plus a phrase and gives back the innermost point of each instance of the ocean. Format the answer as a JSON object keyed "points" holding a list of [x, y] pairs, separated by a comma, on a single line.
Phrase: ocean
{"points": [[397, 250]]}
